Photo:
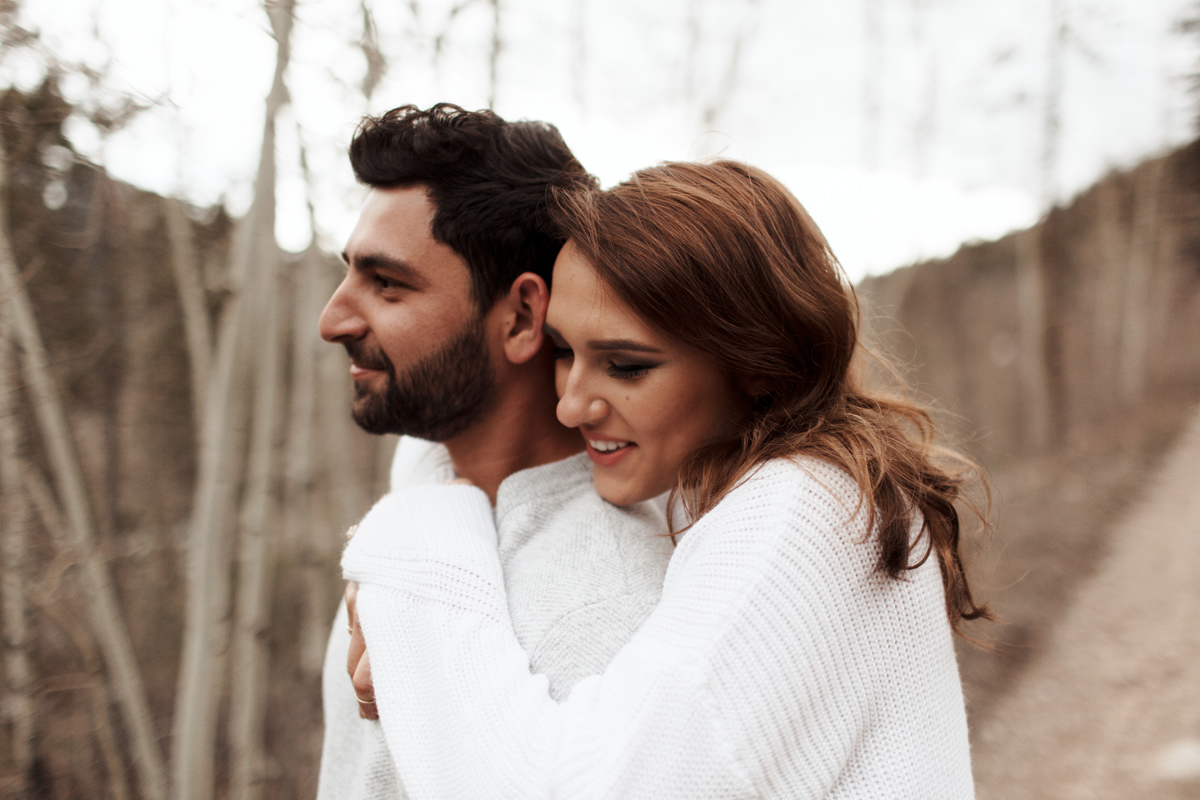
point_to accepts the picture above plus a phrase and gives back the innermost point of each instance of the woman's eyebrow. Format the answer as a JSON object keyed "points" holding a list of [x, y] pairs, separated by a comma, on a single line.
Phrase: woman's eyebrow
{"points": [[605, 344], [621, 344]]}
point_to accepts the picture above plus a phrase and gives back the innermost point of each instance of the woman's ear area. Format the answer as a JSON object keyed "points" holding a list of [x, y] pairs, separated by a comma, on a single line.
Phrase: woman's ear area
{"points": [[524, 318], [756, 388]]}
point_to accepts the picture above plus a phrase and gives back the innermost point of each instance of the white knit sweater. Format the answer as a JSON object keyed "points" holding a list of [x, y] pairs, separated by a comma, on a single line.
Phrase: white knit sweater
{"points": [[777, 663], [582, 575]]}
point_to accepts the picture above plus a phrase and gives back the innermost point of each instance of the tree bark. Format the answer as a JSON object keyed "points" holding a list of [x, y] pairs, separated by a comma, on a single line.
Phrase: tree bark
{"points": [[298, 461], [104, 608], [196, 326], [255, 557], [206, 631], [1135, 316], [18, 698], [1031, 320], [494, 54], [53, 522]]}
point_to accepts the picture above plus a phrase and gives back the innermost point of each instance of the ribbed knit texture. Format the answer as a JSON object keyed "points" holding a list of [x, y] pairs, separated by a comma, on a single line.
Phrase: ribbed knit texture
{"points": [[777, 664], [582, 575]]}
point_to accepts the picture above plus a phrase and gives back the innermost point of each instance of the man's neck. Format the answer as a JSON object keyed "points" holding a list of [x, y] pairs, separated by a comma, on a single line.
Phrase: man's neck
{"points": [[520, 433]]}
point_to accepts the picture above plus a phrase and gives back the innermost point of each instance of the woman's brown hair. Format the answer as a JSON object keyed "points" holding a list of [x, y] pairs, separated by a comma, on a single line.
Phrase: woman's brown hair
{"points": [[723, 258]]}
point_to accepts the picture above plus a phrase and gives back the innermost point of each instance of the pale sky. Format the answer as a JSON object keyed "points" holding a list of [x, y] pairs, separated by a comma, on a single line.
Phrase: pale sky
{"points": [[905, 126]]}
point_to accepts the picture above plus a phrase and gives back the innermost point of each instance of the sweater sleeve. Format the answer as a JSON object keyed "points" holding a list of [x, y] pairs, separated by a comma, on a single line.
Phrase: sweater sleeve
{"points": [[754, 676]]}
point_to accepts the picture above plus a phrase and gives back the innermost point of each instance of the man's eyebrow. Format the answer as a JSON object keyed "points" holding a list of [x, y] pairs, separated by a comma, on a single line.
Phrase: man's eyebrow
{"points": [[377, 261]]}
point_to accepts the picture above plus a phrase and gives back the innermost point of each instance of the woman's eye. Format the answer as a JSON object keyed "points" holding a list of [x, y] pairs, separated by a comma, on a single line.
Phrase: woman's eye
{"points": [[628, 372], [560, 352]]}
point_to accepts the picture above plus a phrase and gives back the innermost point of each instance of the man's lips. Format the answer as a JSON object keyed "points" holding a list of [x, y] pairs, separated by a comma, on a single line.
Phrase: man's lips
{"points": [[357, 371], [364, 361]]}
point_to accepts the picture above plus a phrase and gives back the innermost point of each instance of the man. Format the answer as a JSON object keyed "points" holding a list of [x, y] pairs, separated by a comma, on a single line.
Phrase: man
{"points": [[441, 312]]}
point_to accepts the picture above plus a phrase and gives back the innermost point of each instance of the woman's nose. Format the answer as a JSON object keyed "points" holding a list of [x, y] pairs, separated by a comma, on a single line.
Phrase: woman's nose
{"points": [[579, 406]]}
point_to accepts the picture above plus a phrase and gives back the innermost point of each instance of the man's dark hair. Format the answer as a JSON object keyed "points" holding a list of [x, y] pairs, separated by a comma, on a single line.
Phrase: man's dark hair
{"points": [[488, 178]]}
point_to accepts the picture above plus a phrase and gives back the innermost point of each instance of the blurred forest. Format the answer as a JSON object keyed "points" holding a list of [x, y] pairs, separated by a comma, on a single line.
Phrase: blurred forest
{"points": [[178, 465]]}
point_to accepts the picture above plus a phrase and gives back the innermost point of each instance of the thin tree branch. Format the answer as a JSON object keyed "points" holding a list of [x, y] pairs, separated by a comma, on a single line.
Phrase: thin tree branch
{"points": [[103, 606]]}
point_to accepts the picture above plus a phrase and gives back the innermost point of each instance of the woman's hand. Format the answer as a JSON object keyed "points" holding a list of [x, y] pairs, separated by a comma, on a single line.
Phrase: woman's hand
{"points": [[358, 663]]}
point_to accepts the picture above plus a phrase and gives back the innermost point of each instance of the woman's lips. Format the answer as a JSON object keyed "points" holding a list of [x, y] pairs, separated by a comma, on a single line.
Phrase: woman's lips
{"points": [[607, 452]]}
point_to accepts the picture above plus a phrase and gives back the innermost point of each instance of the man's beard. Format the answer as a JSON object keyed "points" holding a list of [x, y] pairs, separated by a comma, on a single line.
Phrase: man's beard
{"points": [[438, 398]]}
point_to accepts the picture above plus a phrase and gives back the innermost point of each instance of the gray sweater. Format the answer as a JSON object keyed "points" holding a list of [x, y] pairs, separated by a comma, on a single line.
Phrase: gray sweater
{"points": [[580, 575]]}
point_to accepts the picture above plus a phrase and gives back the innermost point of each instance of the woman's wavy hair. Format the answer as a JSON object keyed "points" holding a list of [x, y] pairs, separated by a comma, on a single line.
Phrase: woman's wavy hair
{"points": [[723, 258]]}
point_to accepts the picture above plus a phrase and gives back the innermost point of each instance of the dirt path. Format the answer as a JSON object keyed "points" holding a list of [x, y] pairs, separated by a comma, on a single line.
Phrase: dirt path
{"points": [[1110, 707]]}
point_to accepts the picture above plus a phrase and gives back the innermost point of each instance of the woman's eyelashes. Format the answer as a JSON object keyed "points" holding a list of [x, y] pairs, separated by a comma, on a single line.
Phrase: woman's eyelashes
{"points": [[628, 372], [613, 369]]}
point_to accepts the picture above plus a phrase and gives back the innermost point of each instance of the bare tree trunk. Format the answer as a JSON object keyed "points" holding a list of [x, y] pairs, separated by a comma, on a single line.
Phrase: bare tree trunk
{"points": [[103, 606], [1052, 103], [1031, 320], [494, 54], [250, 655], [1135, 316], [17, 695], [314, 626], [1107, 282], [53, 522], [300, 524], [206, 634], [872, 80], [369, 44], [733, 68], [196, 326], [106, 736]]}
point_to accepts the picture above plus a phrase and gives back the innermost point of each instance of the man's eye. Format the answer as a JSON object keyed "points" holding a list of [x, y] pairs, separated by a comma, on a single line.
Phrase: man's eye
{"points": [[560, 352], [384, 282], [628, 372]]}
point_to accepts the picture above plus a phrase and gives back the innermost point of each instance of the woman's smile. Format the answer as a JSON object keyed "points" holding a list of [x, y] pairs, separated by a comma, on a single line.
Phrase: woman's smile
{"points": [[606, 452]]}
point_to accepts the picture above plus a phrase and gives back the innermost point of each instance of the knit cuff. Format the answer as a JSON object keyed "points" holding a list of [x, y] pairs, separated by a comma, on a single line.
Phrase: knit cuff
{"points": [[451, 525]]}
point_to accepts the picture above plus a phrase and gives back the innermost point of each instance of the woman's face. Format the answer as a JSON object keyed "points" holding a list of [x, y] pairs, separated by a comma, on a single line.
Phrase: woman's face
{"points": [[642, 401]]}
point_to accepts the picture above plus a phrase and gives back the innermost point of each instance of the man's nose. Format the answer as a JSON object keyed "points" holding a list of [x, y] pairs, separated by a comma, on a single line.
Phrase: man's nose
{"points": [[579, 405], [340, 320]]}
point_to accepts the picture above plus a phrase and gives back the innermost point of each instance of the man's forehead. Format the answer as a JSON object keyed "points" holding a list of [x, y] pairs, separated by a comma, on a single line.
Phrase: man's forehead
{"points": [[394, 233], [396, 222]]}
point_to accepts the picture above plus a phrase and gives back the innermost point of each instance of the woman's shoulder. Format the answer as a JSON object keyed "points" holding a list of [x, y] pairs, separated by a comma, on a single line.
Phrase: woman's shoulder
{"points": [[798, 484], [789, 503]]}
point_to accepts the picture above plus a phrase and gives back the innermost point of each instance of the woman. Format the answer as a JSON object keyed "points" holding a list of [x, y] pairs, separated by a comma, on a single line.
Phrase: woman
{"points": [[803, 643]]}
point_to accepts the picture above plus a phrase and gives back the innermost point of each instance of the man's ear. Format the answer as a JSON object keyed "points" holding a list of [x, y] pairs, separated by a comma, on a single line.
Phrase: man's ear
{"points": [[526, 304]]}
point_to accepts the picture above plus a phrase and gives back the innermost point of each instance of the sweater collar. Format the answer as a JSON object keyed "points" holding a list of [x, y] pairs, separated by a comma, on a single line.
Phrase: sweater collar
{"points": [[545, 483]]}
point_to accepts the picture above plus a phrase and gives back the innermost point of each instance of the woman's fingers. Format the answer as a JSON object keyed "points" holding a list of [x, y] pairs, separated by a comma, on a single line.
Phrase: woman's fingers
{"points": [[358, 645], [358, 665], [364, 690]]}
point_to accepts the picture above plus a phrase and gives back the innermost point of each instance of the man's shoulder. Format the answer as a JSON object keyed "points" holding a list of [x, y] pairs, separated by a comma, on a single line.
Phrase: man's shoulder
{"points": [[558, 502]]}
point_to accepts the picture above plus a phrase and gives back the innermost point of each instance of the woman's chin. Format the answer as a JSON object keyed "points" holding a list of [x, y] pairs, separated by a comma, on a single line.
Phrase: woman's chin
{"points": [[626, 492]]}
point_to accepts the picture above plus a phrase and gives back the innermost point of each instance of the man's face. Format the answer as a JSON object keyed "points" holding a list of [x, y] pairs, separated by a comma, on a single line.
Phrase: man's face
{"points": [[419, 354]]}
